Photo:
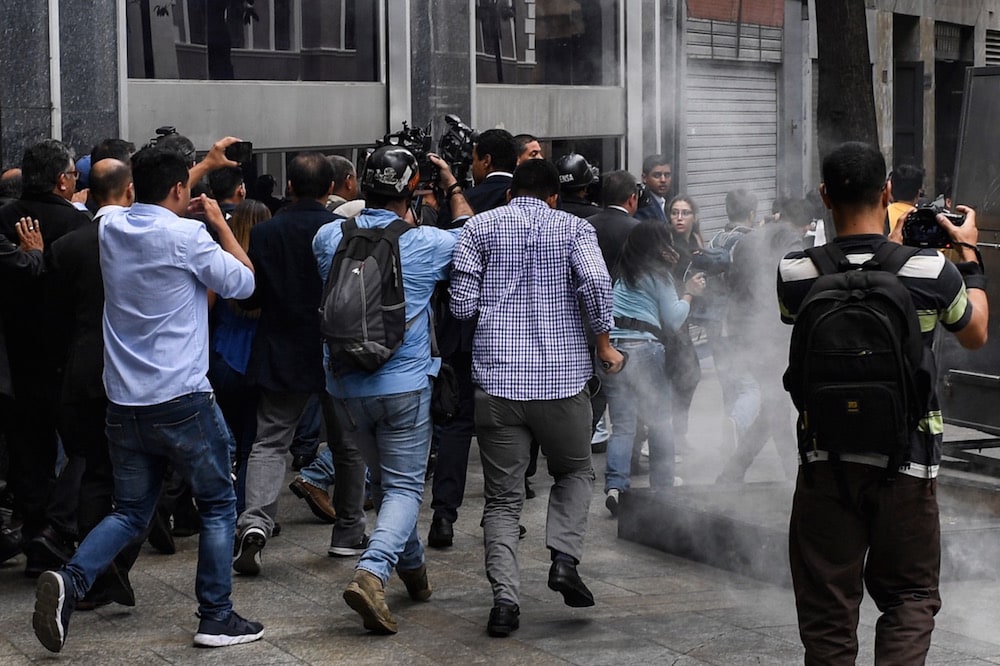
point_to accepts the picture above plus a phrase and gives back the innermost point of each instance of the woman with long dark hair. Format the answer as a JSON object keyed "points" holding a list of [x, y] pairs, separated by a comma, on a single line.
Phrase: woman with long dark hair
{"points": [[232, 337], [648, 313]]}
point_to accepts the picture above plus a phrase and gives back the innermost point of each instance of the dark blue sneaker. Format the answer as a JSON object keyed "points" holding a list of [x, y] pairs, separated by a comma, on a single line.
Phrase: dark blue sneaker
{"points": [[231, 631], [54, 603]]}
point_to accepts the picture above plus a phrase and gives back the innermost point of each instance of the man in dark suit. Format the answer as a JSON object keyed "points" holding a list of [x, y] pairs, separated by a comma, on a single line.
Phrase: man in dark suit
{"points": [[658, 177], [82, 495], [49, 177], [613, 224], [286, 362], [494, 157], [25, 258]]}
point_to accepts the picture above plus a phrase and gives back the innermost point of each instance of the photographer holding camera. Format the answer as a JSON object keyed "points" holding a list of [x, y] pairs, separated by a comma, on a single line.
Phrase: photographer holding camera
{"points": [[857, 518]]}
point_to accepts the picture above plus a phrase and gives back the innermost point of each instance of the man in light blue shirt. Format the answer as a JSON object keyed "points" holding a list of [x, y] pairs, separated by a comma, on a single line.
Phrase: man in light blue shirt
{"points": [[157, 269], [386, 413]]}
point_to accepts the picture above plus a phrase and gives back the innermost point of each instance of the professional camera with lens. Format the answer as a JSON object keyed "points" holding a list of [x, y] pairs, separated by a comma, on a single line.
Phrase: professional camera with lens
{"points": [[455, 147], [418, 142], [921, 229]]}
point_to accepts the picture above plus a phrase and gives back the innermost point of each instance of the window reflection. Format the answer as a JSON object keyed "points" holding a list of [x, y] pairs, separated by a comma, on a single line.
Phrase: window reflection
{"points": [[554, 42], [281, 40]]}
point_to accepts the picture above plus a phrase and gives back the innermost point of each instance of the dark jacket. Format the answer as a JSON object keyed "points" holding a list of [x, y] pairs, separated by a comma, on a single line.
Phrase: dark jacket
{"points": [[77, 296], [580, 207], [489, 194], [454, 335], [13, 264], [652, 211], [612, 226], [287, 353], [28, 322]]}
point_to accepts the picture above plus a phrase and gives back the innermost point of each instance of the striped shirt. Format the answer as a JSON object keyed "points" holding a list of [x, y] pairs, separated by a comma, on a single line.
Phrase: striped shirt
{"points": [[939, 295], [532, 274]]}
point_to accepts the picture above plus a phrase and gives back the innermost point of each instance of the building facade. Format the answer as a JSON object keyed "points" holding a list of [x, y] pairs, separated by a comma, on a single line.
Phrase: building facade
{"points": [[726, 87]]}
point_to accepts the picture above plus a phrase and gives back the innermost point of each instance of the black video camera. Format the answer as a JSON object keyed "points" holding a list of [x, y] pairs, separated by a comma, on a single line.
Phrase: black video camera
{"points": [[921, 228], [418, 142], [455, 147]]}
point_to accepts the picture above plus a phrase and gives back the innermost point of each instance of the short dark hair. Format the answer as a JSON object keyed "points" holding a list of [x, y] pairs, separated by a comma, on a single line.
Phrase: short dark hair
{"points": [[342, 168], [108, 180], [906, 180], [522, 141], [310, 174], [155, 171], [652, 161], [43, 163], [181, 145], [501, 146], [797, 212], [617, 187], [224, 182], [10, 186], [854, 174], [118, 149], [535, 178], [265, 184], [740, 204]]}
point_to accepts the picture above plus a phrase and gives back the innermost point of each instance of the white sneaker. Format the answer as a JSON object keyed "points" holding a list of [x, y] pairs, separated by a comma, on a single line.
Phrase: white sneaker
{"points": [[678, 481], [644, 451]]}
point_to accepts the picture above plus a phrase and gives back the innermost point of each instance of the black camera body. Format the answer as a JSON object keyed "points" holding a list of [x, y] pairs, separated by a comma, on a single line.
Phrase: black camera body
{"points": [[921, 228], [418, 142], [455, 147]]}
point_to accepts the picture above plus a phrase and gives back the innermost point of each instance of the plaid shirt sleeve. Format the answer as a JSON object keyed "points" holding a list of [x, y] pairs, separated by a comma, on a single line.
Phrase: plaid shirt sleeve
{"points": [[466, 275]]}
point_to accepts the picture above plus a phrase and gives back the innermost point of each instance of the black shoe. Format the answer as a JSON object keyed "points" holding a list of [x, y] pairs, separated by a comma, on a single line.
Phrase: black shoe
{"points": [[234, 630], [46, 552], [564, 579], [521, 531], [503, 620], [349, 550], [301, 460], [248, 560], [160, 537], [529, 493], [441, 533], [11, 543], [112, 585], [54, 603]]}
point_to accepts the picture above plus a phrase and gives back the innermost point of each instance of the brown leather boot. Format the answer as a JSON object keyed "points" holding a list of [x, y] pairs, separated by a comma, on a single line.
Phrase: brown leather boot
{"points": [[416, 582], [366, 596]]}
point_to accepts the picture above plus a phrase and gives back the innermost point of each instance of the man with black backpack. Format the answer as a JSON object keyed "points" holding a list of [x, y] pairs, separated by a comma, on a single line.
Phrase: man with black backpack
{"points": [[861, 374], [380, 272]]}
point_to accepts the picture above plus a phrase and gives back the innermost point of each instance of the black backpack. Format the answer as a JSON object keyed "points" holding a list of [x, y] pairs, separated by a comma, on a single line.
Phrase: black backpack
{"points": [[855, 370], [363, 309]]}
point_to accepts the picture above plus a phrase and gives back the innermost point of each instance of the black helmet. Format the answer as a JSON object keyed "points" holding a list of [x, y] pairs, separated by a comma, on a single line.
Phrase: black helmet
{"points": [[575, 171], [391, 171]]}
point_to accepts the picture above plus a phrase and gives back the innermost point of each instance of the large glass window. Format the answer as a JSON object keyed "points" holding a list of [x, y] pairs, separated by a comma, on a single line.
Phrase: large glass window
{"points": [[277, 40], [552, 42]]}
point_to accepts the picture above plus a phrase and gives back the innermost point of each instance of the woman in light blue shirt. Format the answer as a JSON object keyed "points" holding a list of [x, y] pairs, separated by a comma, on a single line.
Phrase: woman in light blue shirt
{"points": [[647, 313]]}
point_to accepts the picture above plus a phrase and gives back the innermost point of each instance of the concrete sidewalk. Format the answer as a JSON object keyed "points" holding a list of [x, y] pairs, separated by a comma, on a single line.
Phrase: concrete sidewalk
{"points": [[651, 608]]}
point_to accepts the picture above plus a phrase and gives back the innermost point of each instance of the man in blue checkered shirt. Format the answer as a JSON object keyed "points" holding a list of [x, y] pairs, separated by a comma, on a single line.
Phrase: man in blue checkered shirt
{"points": [[533, 274]]}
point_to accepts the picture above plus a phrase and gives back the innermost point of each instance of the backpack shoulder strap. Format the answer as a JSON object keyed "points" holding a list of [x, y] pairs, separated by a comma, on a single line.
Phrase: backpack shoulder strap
{"points": [[891, 257], [829, 258], [397, 228], [349, 224]]}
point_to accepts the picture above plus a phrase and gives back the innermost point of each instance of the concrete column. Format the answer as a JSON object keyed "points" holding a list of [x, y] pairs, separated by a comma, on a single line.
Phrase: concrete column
{"points": [[441, 79], [24, 78], [88, 66], [792, 113]]}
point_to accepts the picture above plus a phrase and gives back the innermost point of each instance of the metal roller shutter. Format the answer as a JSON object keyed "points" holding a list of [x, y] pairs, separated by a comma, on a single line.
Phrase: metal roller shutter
{"points": [[731, 137]]}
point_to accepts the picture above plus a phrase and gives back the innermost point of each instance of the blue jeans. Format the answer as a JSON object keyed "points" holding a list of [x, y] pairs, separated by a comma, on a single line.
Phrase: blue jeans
{"points": [[393, 433], [190, 434], [640, 390], [320, 472]]}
